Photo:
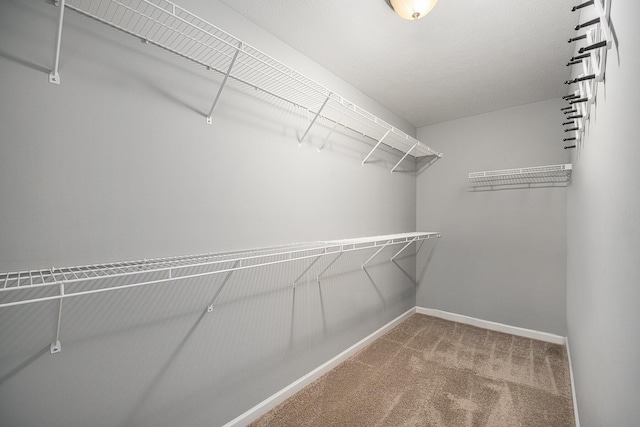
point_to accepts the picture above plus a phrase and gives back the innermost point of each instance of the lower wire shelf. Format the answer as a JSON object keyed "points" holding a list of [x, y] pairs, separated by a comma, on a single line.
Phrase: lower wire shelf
{"points": [[17, 288], [56, 284]]}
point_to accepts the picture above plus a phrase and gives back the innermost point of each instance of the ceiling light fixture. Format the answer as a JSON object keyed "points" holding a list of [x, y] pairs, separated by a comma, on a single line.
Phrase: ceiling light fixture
{"points": [[412, 9]]}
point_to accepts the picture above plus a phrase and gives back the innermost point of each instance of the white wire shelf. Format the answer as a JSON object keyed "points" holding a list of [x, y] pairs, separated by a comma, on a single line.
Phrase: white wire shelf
{"points": [[56, 284], [171, 27], [17, 288], [530, 175]]}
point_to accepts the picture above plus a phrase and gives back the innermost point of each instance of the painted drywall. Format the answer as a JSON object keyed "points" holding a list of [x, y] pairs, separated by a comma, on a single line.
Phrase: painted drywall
{"points": [[503, 253], [117, 163], [603, 240]]}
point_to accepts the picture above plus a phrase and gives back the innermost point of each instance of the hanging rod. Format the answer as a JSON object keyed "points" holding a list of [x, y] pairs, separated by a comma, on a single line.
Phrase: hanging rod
{"points": [[173, 28], [74, 280]]}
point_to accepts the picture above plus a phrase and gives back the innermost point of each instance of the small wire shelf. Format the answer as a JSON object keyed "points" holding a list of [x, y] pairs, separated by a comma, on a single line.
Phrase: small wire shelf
{"points": [[529, 175]]}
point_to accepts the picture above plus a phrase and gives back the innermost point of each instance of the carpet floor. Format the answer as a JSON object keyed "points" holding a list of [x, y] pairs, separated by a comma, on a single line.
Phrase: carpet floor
{"points": [[433, 372]]}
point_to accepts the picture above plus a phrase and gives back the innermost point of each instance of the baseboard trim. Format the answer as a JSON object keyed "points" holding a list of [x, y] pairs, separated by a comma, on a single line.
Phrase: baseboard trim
{"points": [[279, 397], [493, 326], [573, 384], [282, 395]]}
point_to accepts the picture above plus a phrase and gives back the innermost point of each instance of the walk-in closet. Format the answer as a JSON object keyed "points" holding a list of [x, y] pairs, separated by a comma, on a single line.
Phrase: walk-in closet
{"points": [[320, 212]]}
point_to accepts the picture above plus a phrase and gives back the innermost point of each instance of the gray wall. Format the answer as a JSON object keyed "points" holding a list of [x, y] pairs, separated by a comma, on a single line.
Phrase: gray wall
{"points": [[603, 273], [502, 256], [118, 163], [94, 168]]}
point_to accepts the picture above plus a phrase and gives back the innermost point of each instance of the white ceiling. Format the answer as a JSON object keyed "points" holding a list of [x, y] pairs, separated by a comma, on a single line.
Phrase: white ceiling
{"points": [[466, 57]]}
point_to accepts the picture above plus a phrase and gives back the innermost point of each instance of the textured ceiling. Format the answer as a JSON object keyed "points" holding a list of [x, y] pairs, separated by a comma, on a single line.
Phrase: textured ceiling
{"points": [[466, 57]]}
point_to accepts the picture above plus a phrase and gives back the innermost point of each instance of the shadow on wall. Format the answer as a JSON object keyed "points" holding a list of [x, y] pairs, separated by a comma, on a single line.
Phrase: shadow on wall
{"points": [[24, 62], [25, 16], [424, 255], [23, 365]]}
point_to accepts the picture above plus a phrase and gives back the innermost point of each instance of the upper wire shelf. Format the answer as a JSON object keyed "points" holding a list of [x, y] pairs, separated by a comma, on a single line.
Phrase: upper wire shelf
{"points": [[173, 28], [530, 175]]}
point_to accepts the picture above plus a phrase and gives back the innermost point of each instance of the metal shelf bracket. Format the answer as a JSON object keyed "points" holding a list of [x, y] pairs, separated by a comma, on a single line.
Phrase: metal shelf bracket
{"points": [[295, 282], [375, 147], [330, 264], [224, 82], [304, 135], [54, 76], [403, 248], [56, 347], [376, 254], [222, 285], [333, 128], [404, 157]]}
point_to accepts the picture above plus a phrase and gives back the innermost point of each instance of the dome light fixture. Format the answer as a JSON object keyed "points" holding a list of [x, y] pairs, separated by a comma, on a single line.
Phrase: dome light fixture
{"points": [[412, 9]]}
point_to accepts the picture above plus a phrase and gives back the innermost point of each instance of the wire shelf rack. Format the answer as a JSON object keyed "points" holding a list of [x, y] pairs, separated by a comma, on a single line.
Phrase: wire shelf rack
{"points": [[56, 284], [17, 288], [530, 175], [173, 28]]}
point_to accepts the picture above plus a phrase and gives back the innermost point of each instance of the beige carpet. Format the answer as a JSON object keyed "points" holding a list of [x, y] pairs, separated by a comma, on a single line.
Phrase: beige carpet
{"points": [[433, 372]]}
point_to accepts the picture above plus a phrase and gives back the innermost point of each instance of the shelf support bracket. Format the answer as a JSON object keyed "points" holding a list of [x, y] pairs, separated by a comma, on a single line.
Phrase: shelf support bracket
{"points": [[429, 163], [54, 76], [314, 119], [224, 82], [330, 264], [335, 125], [222, 285], [403, 248], [376, 254], [295, 282], [403, 157], [55, 345], [376, 146]]}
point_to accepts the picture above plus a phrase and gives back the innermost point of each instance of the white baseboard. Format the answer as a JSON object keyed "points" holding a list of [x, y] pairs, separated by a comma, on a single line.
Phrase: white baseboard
{"points": [[573, 385], [273, 401], [493, 326]]}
